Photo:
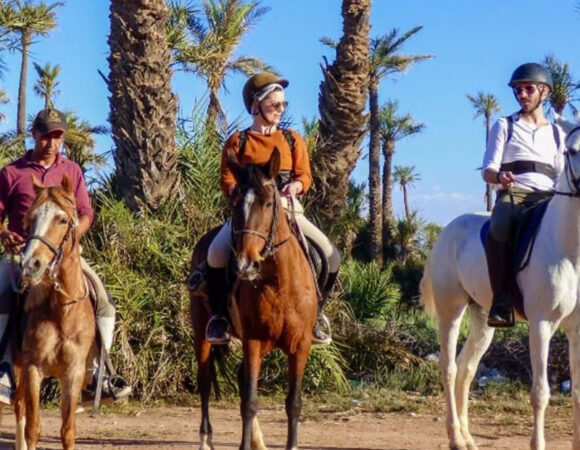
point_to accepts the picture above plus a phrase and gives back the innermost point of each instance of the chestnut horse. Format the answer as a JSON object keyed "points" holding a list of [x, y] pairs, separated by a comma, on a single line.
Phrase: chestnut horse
{"points": [[60, 324], [273, 302]]}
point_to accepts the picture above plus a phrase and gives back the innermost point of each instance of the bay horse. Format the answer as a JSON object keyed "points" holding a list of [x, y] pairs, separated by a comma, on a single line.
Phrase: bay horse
{"points": [[273, 302], [59, 319], [456, 277]]}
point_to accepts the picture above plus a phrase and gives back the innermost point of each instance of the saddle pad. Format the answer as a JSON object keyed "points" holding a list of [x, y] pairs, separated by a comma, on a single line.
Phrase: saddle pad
{"points": [[523, 236]]}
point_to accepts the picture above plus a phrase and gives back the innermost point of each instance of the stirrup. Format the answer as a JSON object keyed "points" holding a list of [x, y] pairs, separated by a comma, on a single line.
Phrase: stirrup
{"points": [[197, 282], [216, 330], [322, 335], [501, 320]]}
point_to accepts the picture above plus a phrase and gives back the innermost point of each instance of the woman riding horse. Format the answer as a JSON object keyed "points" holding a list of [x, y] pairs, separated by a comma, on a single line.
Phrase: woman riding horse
{"points": [[263, 96]]}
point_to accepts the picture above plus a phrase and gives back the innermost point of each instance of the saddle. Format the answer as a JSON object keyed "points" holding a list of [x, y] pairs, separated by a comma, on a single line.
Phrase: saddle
{"points": [[520, 247], [197, 281]]}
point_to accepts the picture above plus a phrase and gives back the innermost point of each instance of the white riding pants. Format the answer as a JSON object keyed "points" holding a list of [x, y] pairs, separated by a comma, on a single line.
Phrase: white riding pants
{"points": [[219, 251]]}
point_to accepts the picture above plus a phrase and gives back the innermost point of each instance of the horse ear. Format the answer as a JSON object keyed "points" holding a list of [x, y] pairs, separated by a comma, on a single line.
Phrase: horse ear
{"points": [[234, 165], [37, 184], [273, 166], [66, 184]]}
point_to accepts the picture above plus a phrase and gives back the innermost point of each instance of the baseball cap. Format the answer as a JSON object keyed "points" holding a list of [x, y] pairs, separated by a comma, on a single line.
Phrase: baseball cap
{"points": [[48, 120]]}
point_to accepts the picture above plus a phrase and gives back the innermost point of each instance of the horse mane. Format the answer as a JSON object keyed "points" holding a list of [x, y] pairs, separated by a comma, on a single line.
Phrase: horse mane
{"points": [[55, 194], [254, 178]]}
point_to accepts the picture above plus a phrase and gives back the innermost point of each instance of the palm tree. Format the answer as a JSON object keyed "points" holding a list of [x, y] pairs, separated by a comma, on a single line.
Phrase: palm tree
{"points": [[393, 128], [563, 84], [485, 105], [26, 20], [385, 60], [406, 237], [143, 109], [46, 86], [341, 102], [4, 99], [206, 49], [406, 177], [80, 144]]}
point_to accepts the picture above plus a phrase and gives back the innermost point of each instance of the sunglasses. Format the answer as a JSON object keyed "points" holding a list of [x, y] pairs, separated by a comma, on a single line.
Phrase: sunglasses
{"points": [[528, 89], [278, 106]]}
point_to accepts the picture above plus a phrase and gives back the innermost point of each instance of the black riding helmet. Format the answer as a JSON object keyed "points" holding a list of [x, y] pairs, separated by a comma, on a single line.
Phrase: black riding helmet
{"points": [[531, 72]]}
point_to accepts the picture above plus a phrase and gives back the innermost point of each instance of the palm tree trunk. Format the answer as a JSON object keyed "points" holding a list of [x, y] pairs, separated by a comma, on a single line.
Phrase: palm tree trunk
{"points": [[21, 116], [143, 108], [488, 187], [388, 219], [406, 201], [375, 208], [341, 102]]}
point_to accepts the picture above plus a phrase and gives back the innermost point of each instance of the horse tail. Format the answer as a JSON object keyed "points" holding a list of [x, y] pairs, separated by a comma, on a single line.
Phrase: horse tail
{"points": [[426, 289], [219, 357]]}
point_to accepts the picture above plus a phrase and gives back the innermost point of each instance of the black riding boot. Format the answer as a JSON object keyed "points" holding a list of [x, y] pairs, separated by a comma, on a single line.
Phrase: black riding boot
{"points": [[501, 313], [216, 331], [322, 333]]}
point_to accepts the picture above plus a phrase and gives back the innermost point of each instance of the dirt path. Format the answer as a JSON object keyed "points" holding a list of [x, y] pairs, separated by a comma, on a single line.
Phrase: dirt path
{"points": [[176, 428]]}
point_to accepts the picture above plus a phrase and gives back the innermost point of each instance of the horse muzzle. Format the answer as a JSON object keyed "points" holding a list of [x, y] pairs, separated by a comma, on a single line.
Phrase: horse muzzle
{"points": [[32, 271], [247, 269]]}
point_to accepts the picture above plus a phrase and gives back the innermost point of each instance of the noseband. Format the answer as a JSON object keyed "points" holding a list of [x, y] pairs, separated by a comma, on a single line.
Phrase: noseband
{"points": [[270, 248]]}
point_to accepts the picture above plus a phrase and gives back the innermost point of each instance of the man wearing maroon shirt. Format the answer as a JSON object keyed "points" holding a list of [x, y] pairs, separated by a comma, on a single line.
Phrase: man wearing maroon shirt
{"points": [[17, 193]]}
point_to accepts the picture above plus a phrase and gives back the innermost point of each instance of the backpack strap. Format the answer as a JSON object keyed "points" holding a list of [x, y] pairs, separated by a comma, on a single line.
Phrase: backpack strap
{"points": [[556, 135], [289, 139], [242, 143], [510, 128]]}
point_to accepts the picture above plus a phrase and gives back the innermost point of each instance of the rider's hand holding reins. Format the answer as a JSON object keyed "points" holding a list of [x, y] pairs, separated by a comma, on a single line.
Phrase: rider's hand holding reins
{"points": [[11, 241], [292, 189], [505, 178]]}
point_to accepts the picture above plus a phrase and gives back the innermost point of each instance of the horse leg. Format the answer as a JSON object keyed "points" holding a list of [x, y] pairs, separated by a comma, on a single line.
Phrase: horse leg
{"points": [[203, 353], [296, 364], [540, 335], [574, 354], [71, 385], [480, 336], [20, 413], [249, 395], [257, 436], [31, 392], [449, 323]]}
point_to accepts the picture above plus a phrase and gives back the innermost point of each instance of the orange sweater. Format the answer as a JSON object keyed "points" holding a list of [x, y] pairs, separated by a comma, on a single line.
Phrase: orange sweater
{"points": [[259, 148]]}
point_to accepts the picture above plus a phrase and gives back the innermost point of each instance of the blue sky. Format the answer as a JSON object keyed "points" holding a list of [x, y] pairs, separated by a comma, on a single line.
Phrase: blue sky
{"points": [[476, 47]]}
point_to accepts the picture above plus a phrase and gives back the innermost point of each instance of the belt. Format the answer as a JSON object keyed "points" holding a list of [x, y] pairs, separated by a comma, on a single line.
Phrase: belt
{"points": [[519, 167]]}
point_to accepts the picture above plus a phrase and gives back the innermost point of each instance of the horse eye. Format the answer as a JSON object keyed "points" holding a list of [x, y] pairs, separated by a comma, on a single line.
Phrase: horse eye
{"points": [[63, 221], [269, 204]]}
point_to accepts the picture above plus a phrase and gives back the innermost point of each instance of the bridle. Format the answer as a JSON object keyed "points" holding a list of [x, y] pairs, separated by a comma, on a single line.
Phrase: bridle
{"points": [[271, 247], [54, 265]]}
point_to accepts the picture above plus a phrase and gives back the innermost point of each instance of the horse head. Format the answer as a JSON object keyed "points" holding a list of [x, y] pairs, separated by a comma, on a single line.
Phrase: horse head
{"points": [[51, 224], [572, 172], [572, 130], [256, 210]]}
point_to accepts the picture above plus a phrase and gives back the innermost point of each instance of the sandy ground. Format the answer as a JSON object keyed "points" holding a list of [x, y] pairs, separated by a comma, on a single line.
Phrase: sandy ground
{"points": [[176, 428]]}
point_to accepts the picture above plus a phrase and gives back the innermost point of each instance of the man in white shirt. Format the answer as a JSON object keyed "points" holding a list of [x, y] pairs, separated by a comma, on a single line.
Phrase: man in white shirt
{"points": [[524, 156]]}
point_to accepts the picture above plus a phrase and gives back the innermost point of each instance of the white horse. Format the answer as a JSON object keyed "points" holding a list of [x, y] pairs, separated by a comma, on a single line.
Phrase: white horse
{"points": [[456, 276]]}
